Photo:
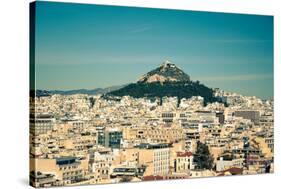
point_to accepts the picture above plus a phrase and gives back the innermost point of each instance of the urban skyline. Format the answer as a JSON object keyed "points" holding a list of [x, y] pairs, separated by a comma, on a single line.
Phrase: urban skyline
{"points": [[196, 100]]}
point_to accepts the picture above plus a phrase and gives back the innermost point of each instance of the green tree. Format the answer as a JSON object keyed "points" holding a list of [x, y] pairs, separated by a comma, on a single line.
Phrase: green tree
{"points": [[169, 89], [202, 157]]}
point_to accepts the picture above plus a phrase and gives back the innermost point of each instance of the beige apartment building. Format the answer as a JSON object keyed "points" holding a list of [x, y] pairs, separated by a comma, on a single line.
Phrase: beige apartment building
{"points": [[156, 157], [265, 145], [41, 124], [159, 134], [183, 162], [66, 169]]}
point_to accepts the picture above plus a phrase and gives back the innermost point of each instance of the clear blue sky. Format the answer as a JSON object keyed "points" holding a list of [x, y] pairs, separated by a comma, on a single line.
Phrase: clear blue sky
{"points": [[89, 46]]}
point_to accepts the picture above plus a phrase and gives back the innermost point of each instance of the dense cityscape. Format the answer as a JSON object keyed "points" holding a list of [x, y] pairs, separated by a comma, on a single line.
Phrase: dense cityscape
{"points": [[90, 139]]}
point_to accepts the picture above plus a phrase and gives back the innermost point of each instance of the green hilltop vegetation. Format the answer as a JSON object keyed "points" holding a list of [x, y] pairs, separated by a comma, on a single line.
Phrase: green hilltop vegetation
{"points": [[167, 88]]}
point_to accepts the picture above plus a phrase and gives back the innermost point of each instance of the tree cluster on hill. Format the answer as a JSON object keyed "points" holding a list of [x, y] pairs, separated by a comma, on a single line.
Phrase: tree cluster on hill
{"points": [[169, 89]]}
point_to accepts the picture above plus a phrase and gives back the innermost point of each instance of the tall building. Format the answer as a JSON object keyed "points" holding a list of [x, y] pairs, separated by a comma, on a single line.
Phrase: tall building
{"points": [[41, 124], [113, 138], [156, 157], [252, 115]]}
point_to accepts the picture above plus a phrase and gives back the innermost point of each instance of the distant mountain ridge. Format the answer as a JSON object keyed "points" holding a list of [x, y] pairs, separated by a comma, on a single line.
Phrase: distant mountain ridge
{"points": [[96, 91]]}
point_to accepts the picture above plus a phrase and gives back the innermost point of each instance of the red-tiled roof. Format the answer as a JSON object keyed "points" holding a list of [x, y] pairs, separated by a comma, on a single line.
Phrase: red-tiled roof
{"points": [[232, 170], [158, 177], [152, 177], [184, 154]]}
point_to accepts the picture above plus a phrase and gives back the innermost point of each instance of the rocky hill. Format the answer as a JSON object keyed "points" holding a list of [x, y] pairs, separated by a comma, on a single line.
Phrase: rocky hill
{"points": [[166, 80]]}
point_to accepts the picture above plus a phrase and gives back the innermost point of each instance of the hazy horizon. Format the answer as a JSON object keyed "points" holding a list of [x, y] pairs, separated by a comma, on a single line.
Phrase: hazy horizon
{"points": [[83, 46]]}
